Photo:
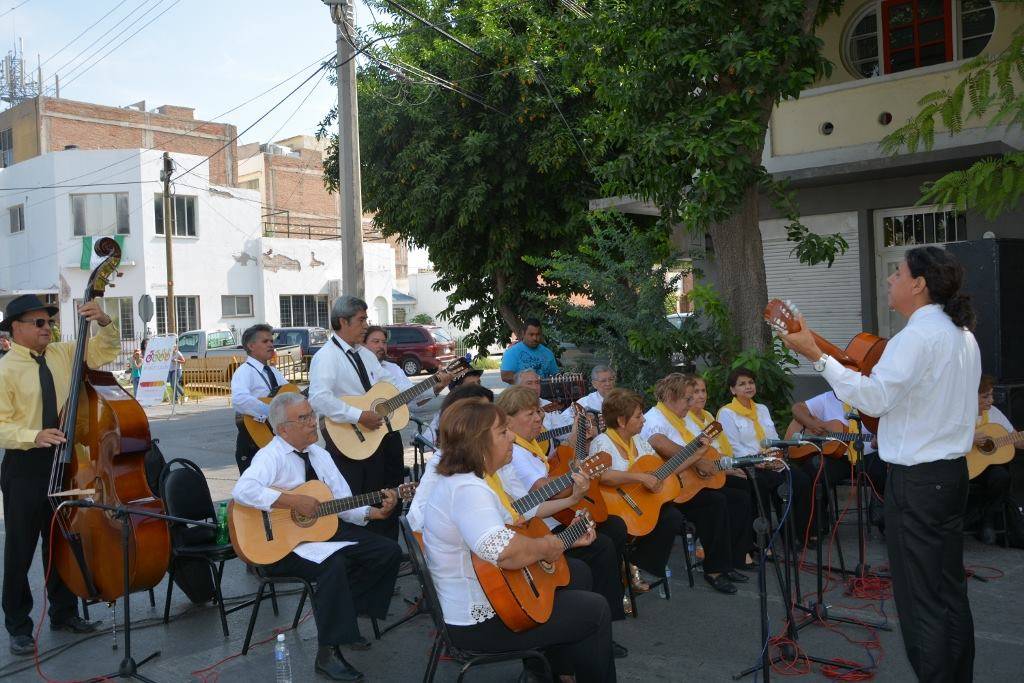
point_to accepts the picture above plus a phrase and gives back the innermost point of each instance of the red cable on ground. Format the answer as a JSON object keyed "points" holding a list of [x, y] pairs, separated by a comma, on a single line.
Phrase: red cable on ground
{"points": [[207, 673], [972, 571]]}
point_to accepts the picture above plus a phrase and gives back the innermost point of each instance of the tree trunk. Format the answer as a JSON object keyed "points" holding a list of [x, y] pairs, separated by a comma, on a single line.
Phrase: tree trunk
{"points": [[507, 312], [739, 255]]}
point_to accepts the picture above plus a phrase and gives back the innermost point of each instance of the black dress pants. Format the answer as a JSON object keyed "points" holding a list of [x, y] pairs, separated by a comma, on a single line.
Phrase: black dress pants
{"points": [[989, 490], [724, 525], [245, 449], [924, 519], [577, 639], [24, 481], [358, 579], [651, 552], [385, 469], [604, 561]]}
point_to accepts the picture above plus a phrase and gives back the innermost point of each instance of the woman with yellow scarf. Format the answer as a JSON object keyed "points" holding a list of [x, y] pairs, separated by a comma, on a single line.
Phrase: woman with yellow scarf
{"points": [[723, 517], [746, 424]]}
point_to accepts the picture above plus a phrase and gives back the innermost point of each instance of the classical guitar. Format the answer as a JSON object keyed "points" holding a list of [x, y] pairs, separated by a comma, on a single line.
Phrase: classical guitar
{"points": [[523, 598], [997, 448], [564, 459], [358, 442], [264, 537], [837, 448], [260, 432], [640, 508], [861, 354], [590, 467]]}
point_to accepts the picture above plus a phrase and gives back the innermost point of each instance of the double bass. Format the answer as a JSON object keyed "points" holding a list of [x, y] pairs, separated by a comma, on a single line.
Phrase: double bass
{"points": [[108, 437]]}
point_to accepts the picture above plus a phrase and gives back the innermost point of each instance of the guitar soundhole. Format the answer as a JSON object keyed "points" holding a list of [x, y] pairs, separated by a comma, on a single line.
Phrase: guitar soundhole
{"points": [[546, 566], [302, 520], [987, 447], [380, 409]]}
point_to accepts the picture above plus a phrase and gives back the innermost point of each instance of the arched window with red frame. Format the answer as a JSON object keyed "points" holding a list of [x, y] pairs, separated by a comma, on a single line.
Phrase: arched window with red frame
{"points": [[916, 33]]}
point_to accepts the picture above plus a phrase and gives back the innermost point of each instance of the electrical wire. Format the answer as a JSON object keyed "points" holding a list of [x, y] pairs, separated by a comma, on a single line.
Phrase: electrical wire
{"points": [[23, 2], [87, 29]]}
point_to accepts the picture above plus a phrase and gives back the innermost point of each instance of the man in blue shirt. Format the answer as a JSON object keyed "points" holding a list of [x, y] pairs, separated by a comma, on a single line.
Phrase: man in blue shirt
{"points": [[528, 353]]}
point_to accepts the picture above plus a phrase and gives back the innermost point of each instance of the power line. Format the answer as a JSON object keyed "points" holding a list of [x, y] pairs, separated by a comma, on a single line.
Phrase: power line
{"points": [[13, 8], [69, 43]]}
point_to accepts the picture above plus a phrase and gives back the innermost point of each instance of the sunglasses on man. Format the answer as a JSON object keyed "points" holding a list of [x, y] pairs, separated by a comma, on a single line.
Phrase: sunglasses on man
{"points": [[39, 322]]}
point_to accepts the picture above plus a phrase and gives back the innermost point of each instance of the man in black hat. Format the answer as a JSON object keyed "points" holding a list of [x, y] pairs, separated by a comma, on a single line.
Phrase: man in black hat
{"points": [[35, 380]]}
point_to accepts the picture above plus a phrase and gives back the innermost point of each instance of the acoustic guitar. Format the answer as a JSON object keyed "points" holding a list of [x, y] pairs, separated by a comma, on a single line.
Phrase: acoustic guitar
{"points": [[357, 442], [564, 459], [640, 508], [861, 354], [260, 432], [590, 467], [837, 430], [264, 537], [523, 598], [997, 448]]}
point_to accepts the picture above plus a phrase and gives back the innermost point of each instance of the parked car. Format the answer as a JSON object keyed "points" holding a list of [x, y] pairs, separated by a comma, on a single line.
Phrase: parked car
{"points": [[679, 359], [415, 348], [205, 343], [309, 339]]}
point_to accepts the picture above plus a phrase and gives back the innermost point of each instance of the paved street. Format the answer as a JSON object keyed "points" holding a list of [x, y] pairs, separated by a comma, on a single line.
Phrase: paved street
{"points": [[697, 635]]}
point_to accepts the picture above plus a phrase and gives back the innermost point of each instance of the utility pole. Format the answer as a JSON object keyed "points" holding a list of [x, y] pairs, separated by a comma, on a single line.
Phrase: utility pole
{"points": [[350, 196], [165, 176]]}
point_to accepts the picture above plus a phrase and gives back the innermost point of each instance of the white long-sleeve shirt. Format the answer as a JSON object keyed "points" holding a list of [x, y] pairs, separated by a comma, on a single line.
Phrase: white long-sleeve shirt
{"points": [[276, 468], [332, 374], [924, 389], [742, 433], [249, 384]]}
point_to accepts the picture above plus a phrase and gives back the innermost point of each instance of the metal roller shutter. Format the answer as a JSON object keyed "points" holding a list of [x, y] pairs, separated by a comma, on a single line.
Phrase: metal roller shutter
{"points": [[828, 297]]}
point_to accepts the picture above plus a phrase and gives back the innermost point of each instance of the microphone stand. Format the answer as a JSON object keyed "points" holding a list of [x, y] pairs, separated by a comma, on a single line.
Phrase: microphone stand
{"points": [[128, 667]]}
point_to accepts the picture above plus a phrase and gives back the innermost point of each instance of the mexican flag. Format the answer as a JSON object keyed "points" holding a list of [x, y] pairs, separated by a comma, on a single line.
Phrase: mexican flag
{"points": [[89, 258]]}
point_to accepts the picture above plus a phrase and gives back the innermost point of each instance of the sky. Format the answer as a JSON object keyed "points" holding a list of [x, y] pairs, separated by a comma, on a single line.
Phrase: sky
{"points": [[211, 55]]}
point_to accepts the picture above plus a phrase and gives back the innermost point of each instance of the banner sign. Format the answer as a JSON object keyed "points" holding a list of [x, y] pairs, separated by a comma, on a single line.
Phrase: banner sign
{"points": [[156, 363]]}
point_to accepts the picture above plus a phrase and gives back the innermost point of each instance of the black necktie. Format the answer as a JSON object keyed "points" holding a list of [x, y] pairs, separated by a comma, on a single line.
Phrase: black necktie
{"points": [[50, 418], [360, 368], [310, 472], [270, 376]]}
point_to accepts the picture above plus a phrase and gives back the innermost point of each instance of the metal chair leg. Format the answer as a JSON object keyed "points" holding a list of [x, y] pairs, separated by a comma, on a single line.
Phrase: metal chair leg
{"points": [[302, 603], [167, 601], [252, 617], [688, 560], [220, 597], [435, 656], [273, 599], [152, 598]]}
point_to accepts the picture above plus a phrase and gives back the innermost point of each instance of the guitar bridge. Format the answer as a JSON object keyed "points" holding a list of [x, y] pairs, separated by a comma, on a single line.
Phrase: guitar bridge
{"points": [[629, 501], [387, 421], [529, 579], [359, 432], [268, 529]]}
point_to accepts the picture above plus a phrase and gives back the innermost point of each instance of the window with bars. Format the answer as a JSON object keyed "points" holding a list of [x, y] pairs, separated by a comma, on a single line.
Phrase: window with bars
{"points": [[304, 310], [186, 313], [977, 21], [184, 215], [915, 228], [104, 213], [6, 148], [121, 312]]}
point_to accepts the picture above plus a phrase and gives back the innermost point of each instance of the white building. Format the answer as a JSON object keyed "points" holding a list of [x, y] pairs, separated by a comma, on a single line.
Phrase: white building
{"points": [[226, 274]]}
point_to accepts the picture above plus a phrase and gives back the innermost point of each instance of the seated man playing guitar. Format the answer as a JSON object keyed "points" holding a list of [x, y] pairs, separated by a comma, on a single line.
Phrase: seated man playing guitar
{"points": [[355, 571], [253, 380], [990, 488]]}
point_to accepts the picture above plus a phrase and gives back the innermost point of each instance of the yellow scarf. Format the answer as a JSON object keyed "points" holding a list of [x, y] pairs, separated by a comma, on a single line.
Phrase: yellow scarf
{"points": [[495, 484], [677, 422], [854, 429], [749, 413], [534, 447], [629, 449], [721, 442], [982, 419]]}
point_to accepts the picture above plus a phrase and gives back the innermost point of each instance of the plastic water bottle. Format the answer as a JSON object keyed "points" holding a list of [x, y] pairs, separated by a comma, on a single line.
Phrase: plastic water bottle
{"points": [[663, 588], [222, 524], [691, 545], [282, 662]]}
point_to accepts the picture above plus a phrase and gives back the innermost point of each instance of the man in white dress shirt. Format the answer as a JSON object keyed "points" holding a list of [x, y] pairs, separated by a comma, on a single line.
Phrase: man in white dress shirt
{"points": [[602, 378], [343, 367], [924, 390], [253, 380], [355, 571], [377, 341]]}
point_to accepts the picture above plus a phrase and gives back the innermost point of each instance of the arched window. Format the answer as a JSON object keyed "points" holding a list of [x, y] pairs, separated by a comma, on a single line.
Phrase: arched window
{"points": [[898, 35]]}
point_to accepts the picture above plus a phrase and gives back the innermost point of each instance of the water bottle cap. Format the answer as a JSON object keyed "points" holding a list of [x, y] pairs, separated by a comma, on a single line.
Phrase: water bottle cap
{"points": [[280, 637]]}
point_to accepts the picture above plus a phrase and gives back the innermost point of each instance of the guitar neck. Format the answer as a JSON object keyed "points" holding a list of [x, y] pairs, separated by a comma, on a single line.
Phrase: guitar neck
{"points": [[831, 349], [1010, 438], [553, 433], [573, 533], [670, 465], [848, 437], [535, 498], [399, 400], [333, 507]]}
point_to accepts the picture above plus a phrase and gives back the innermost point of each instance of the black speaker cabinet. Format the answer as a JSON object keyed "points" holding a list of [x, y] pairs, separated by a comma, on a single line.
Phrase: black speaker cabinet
{"points": [[1009, 398], [995, 270]]}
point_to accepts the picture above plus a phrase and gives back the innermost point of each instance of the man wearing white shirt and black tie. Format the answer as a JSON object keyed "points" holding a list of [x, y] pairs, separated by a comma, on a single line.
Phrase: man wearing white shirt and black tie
{"points": [[253, 380], [923, 390], [355, 571], [343, 367]]}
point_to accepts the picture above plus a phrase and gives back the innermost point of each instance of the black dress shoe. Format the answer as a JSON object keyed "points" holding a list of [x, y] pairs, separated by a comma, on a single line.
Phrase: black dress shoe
{"points": [[619, 651], [721, 583], [22, 645], [75, 624], [360, 645], [331, 664], [987, 535], [736, 577]]}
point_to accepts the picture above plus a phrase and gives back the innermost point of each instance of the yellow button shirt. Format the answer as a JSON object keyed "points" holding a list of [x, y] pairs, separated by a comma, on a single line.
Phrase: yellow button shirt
{"points": [[21, 399]]}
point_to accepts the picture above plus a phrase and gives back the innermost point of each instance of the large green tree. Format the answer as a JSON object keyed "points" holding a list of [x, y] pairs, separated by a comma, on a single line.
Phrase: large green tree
{"points": [[685, 91], [474, 157]]}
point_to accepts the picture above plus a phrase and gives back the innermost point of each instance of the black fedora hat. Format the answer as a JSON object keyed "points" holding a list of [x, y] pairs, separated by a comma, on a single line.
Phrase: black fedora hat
{"points": [[23, 304]]}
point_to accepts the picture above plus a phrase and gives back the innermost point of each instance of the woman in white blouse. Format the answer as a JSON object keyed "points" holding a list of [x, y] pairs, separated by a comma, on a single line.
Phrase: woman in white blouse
{"points": [[745, 424], [623, 414], [723, 517], [464, 516]]}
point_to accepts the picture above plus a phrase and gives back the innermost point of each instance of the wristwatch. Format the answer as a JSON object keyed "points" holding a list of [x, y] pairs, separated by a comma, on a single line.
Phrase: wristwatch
{"points": [[819, 364], [366, 515]]}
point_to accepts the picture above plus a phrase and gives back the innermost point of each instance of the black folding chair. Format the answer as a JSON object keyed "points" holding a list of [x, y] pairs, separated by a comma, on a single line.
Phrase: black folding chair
{"points": [[442, 640]]}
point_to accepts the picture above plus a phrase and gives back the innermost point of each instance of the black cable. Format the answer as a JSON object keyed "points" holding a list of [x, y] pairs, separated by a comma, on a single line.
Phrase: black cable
{"points": [[436, 28], [13, 8], [91, 26]]}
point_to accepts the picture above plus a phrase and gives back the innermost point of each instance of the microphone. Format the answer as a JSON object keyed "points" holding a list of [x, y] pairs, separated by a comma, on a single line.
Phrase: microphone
{"points": [[784, 443], [727, 463], [421, 441]]}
